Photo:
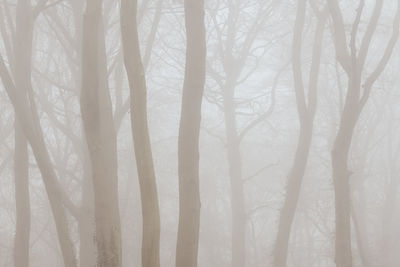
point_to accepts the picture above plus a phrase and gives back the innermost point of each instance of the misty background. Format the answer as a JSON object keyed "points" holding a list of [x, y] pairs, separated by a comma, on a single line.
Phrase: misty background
{"points": [[205, 133]]}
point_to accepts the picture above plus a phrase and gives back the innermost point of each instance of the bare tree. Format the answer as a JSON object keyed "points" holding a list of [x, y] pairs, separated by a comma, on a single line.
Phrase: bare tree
{"points": [[189, 130], [358, 92], [270, 137], [141, 139], [306, 101], [234, 51], [98, 124], [27, 115]]}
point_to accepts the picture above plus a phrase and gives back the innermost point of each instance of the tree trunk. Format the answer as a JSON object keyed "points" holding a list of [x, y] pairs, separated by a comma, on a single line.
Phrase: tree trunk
{"points": [[306, 113], [87, 247], [141, 138], [189, 131], [293, 187], [341, 176], [27, 116], [23, 212], [98, 125], [236, 178], [353, 64], [22, 77]]}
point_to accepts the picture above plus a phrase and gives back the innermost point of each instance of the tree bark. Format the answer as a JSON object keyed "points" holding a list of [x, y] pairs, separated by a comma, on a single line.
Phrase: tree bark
{"points": [[189, 131], [140, 132], [99, 131]]}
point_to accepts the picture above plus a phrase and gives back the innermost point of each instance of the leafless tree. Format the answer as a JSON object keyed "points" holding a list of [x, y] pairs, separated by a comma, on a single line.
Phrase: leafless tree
{"points": [[141, 139], [189, 130]]}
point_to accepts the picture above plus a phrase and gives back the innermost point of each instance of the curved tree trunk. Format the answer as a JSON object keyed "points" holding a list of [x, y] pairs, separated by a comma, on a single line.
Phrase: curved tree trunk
{"points": [[27, 118], [358, 92], [306, 111], [341, 177], [141, 138], [189, 131]]}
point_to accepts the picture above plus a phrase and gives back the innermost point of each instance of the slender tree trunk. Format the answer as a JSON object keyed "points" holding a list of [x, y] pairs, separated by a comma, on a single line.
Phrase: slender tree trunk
{"points": [[359, 218], [86, 223], [293, 187], [341, 176], [98, 125], [27, 116], [236, 178], [189, 131], [353, 64], [23, 212], [141, 138], [87, 248], [306, 112], [22, 77]]}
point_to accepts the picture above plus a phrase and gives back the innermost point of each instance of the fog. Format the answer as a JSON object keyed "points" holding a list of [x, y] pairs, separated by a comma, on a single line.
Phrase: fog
{"points": [[210, 133]]}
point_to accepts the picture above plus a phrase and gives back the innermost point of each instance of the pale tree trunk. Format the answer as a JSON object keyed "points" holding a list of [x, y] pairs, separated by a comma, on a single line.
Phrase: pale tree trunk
{"points": [[23, 212], [87, 247], [189, 131], [341, 175], [353, 63], [98, 125], [236, 176], [22, 77], [140, 132], [122, 108], [306, 107], [359, 218], [27, 118]]}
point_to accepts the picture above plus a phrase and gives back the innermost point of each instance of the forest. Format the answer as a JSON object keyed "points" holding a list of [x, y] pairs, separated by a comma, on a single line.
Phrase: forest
{"points": [[210, 133]]}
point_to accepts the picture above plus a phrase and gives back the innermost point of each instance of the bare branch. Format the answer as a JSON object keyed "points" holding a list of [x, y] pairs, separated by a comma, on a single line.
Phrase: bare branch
{"points": [[296, 58], [354, 30], [260, 171], [365, 44], [340, 41], [384, 60]]}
